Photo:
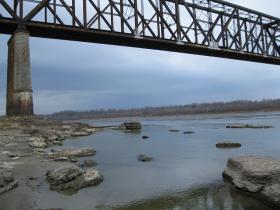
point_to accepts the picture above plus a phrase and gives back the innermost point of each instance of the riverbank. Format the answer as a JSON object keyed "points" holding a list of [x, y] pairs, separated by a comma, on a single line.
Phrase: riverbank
{"points": [[232, 107], [24, 156]]}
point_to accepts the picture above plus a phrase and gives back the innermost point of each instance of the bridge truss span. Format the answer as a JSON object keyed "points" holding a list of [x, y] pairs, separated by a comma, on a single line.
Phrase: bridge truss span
{"points": [[206, 27]]}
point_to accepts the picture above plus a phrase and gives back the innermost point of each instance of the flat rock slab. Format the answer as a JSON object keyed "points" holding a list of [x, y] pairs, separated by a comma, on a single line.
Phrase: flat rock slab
{"points": [[249, 126], [72, 178], [71, 153], [7, 180], [257, 175], [228, 144], [80, 133]]}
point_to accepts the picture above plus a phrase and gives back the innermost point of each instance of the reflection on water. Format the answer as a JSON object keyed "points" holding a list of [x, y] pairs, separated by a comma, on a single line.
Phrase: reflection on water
{"points": [[212, 197]]}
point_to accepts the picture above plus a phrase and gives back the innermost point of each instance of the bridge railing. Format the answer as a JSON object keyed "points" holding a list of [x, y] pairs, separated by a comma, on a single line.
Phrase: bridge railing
{"points": [[211, 23]]}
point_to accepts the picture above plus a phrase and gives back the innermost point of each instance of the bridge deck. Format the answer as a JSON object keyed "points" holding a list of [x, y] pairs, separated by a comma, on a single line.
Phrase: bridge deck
{"points": [[211, 28]]}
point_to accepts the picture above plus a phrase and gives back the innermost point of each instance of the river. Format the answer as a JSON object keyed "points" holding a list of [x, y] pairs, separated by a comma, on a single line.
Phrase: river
{"points": [[186, 172]]}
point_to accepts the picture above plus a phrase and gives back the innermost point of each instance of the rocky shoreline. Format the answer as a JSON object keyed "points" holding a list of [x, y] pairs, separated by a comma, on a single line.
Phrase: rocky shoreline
{"points": [[25, 160]]}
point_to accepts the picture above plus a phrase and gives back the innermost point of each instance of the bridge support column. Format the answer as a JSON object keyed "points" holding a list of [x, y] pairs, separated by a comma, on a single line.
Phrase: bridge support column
{"points": [[19, 85]]}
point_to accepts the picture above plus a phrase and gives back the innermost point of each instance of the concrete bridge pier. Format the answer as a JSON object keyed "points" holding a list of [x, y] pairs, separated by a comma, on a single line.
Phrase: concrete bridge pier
{"points": [[19, 85]]}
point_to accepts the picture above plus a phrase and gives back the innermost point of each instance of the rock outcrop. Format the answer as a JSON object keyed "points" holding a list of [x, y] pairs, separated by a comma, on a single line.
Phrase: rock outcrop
{"points": [[131, 126], [72, 178], [257, 175], [43, 133]]}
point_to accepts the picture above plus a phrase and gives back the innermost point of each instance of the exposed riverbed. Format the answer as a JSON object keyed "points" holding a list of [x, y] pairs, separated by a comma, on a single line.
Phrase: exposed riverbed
{"points": [[186, 172]]}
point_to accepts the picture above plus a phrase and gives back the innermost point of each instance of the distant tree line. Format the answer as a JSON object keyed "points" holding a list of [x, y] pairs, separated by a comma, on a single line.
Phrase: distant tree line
{"points": [[195, 108]]}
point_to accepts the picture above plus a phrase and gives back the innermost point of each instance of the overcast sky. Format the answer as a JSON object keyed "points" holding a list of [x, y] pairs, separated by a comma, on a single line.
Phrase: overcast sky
{"points": [[80, 76]]}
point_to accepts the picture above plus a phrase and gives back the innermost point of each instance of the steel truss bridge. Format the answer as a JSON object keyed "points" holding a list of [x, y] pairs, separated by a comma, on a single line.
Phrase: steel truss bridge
{"points": [[205, 27]]}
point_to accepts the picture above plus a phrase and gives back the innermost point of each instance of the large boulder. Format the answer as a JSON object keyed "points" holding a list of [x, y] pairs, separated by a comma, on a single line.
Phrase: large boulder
{"points": [[72, 178], [7, 180], [63, 174], [257, 175]]}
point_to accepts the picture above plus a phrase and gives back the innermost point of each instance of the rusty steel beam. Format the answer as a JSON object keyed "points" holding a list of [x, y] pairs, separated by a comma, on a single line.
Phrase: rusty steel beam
{"points": [[205, 27], [36, 10]]}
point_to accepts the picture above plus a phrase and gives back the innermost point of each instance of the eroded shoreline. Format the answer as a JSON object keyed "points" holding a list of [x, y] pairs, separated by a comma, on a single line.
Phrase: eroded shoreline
{"points": [[23, 152]]}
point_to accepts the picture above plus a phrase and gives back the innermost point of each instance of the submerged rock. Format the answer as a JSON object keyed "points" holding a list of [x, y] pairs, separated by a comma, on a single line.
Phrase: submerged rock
{"points": [[7, 180], [174, 130], [257, 175], [228, 144], [89, 163], [188, 132], [72, 178], [145, 158]]}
